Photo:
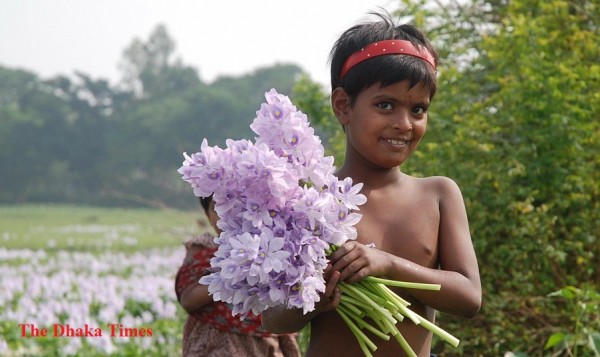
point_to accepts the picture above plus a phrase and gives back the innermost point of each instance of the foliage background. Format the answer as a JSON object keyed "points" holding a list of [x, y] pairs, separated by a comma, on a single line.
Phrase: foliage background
{"points": [[515, 123], [81, 140]]}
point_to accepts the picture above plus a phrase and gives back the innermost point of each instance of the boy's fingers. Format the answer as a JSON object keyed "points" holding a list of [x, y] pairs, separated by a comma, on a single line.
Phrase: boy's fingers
{"points": [[332, 282], [327, 272], [343, 250], [335, 298], [344, 261], [351, 269]]}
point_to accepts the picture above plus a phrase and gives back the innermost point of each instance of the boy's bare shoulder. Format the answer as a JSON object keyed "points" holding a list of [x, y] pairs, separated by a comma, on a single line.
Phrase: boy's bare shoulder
{"points": [[440, 184]]}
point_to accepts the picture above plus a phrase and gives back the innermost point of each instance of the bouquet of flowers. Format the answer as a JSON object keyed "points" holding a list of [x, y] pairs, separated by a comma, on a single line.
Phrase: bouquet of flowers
{"points": [[281, 212]]}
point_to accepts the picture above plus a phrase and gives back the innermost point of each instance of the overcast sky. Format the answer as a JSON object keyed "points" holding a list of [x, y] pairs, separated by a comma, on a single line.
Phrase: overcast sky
{"points": [[51, 37]]}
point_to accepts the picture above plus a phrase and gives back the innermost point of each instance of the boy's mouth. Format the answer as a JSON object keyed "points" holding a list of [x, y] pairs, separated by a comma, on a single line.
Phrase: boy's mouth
{"points": [[398, 141]]}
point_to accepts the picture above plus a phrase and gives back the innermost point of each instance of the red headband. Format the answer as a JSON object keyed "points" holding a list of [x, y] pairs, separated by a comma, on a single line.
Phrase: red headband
{"points": [[387, 47]]}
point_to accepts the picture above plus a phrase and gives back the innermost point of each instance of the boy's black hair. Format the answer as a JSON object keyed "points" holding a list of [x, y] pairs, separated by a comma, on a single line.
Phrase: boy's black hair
{"points": [[205, 203], [387, 69]]}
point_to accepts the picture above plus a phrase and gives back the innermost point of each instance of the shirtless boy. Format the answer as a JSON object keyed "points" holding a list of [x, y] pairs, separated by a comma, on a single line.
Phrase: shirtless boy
{"points": [[383, 79]]}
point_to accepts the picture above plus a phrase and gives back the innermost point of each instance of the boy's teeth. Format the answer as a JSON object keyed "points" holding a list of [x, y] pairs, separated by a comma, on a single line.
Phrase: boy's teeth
{"points": [[395, 142]]}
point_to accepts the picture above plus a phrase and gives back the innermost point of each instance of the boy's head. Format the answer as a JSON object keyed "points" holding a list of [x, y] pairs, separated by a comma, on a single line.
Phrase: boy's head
{"points": [[382, 68], [208, 205], [205, 203]]}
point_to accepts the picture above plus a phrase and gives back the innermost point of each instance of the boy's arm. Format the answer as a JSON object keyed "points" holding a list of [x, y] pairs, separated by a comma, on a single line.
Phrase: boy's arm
{"points": [[458, 264], [283, 320], [458, 273], [194, 297], [191, 294]]}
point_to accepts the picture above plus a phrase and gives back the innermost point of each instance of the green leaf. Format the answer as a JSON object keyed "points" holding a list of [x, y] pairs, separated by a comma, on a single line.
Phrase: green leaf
{"points": [[594, 343], [569, 292], [555, 339]]}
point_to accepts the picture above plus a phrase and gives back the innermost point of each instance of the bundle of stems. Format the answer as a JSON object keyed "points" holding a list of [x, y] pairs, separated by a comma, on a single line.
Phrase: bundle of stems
{"points": [[372, 298]]}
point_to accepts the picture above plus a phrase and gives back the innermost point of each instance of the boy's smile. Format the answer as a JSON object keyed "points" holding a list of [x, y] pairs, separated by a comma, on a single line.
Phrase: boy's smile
{"points": [[398, 144], [385, 124]]}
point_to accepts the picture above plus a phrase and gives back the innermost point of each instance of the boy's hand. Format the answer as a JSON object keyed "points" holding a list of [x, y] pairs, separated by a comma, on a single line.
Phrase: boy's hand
{"points": [[330, 299], [356, 261]]}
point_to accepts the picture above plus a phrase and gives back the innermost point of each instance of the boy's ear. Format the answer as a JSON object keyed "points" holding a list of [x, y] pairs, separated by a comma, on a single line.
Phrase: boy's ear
{"points": [[340, 103]]}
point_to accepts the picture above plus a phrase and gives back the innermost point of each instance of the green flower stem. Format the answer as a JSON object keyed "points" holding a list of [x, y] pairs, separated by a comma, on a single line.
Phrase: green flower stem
{"points": [[332, 248], [399, 303], [405, 346], [364, 348], [390, 295], [360, 336], [379, 322], [352, 307], [349, 313], [371, 297], [393, 308], [390, 326], [398, 316], [453, 341], [382, 298], [411, 315], [404, 284], [417, 319], [365, 298], [355, 302], [363, 324], [382, 317], [372, 294]]}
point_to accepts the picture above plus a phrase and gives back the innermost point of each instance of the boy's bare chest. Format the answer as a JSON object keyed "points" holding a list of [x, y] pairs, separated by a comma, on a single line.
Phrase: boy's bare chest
{"points": [[405, 227]]}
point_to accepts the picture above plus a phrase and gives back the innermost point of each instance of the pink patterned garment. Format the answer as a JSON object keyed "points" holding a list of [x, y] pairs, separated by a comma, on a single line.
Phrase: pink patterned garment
{"points": [[212, 330]]}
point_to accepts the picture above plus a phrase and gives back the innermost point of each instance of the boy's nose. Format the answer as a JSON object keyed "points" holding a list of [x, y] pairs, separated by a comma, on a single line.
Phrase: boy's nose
{"points": [[402, 122]]}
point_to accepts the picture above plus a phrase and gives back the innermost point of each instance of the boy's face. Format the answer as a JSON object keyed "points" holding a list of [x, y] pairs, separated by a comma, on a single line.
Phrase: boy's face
{"points": [[213, 217], [386, 124]]}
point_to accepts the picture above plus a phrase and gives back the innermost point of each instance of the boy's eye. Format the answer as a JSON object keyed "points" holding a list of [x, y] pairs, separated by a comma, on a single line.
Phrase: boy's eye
{"points": [[419, 110], [385, 106]]}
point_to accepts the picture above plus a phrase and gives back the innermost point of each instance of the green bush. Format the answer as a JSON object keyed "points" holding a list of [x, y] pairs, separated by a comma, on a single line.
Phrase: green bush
{"points": [[516, 124]]}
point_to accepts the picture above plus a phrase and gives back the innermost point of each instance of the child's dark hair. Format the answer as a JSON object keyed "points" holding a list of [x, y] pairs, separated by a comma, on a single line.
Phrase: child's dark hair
{"points": [[388, 69], [205, 203]]}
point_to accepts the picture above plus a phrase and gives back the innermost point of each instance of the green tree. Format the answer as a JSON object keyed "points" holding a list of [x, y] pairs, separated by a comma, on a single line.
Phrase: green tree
{"points": [[516, 124], [61, 124], [33, 120], [150, 70], [250, 88], [311, 98]]}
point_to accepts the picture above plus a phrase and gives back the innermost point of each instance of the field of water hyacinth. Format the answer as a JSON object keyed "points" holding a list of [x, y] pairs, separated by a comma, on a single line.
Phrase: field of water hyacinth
{"points": [[95, 282]]}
